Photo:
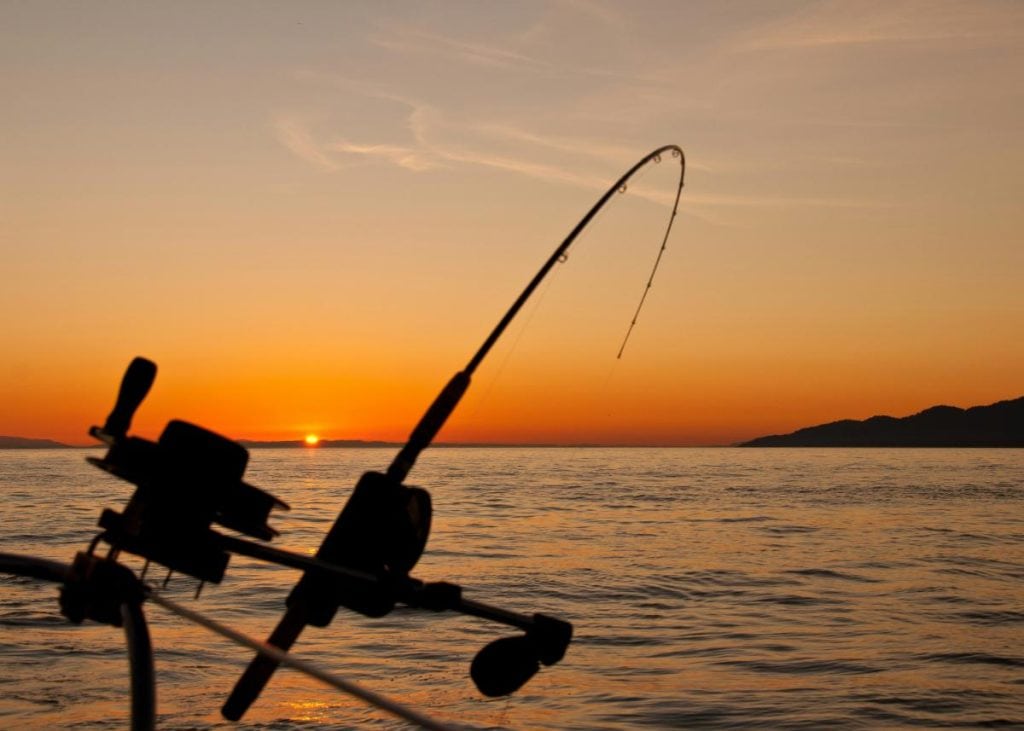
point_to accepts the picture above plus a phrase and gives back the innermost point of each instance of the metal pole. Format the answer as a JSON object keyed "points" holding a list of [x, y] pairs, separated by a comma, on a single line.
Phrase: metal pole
{"points": [[35, 568], [140, 649], [140, 664]]}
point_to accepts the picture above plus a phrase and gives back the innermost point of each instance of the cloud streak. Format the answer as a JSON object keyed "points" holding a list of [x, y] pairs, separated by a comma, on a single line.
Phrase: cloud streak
{"points": [[431, 155], [404, 157], [503, 56], [852, 23], [420, 42], [425, 136], [296, 137]]}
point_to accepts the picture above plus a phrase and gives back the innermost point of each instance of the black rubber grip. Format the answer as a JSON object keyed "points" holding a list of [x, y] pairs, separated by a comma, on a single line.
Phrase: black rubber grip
{"points": [[134, 386]]}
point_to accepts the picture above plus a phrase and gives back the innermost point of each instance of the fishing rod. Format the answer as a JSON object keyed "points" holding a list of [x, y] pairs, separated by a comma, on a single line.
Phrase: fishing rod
{"points": [[191, 479], [381, 505]]}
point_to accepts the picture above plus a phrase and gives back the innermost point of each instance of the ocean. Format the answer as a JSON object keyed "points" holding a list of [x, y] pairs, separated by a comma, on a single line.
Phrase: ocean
{"points": [[709, 589]]}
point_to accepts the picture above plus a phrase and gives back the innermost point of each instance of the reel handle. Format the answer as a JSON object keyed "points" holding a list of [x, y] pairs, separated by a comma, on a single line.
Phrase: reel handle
{"points": [[137, 380]]}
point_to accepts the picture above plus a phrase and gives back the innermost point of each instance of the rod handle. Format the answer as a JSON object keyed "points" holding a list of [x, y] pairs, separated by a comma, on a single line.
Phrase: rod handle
{"points": [[262, 667]]}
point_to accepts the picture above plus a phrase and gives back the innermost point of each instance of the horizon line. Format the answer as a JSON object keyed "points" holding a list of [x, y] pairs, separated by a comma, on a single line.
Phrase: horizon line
{"points": [[44, 443]]}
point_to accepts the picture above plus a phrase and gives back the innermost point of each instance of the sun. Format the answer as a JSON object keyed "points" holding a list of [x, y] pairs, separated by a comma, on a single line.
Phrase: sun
{"points": [[312, 440]]}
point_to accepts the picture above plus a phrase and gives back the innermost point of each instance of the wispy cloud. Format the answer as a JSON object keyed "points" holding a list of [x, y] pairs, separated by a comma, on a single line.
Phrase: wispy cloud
{"points": [[426, 152], [295, 136], [437, 142], [784, 201], [536, 170], [597, 149], [436, 139], [404, 157], [606, 14], [502, 54], [859, 22], [420, 42], [421, 131]]}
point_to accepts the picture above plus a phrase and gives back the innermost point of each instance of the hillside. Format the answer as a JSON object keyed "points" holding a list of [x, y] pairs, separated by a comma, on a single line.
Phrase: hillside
{"points": [[23, 443], [997, 425]]}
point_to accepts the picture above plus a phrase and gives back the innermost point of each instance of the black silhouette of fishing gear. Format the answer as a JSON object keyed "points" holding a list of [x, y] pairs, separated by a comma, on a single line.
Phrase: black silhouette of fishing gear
{"points": [[189, 482]]}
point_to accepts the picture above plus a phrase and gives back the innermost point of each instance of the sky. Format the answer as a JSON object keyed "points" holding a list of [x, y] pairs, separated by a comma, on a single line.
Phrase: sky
{"points": [[311, 214]]}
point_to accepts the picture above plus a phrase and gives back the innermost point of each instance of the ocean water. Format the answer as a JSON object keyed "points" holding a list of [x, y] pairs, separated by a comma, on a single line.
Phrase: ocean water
{"points": [[709, 589]]}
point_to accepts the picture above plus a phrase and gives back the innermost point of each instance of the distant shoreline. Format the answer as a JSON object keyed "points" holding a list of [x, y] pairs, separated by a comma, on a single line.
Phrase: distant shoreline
{"points": [[996, 426], [325, 444], [7, 442], [473, 445]]}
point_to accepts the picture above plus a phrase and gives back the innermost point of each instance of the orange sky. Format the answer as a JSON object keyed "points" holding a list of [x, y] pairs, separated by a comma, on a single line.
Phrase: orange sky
{"points": [[310, 215]]}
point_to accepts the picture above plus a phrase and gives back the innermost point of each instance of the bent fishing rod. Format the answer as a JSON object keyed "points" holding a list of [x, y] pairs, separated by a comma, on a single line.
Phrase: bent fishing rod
{"points": [[381, 501]]}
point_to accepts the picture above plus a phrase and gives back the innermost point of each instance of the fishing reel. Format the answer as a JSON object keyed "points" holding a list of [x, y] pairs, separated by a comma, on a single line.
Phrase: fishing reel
{"points": [[185, 481], [382, 531]]}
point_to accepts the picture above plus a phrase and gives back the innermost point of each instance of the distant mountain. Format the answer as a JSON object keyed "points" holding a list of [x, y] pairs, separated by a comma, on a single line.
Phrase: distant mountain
{"points": [[322, 444], [22, 443], [360, 443], [998, 425]]}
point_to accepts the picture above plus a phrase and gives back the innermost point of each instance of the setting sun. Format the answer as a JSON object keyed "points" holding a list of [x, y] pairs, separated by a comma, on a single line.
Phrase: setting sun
{"points": [[312, 440]]}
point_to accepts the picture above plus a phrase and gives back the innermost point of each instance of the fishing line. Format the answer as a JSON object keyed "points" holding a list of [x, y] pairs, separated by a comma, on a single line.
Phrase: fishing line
{"points": [[511, 350], [613, 367], [657, 260], [303, 666]]}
